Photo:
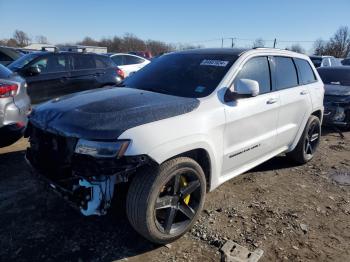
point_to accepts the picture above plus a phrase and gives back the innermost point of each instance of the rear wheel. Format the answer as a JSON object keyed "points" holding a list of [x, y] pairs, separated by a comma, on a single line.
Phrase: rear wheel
{"points": [[308, 143], [163, 203]]}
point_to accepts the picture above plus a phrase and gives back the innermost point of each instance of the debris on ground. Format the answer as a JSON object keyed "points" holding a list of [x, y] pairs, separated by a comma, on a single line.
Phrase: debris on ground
{"points": [[232, 252]]}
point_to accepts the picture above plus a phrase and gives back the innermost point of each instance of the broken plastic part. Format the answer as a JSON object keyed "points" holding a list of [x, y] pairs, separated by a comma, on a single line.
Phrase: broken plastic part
{"points": [[102, 190]]}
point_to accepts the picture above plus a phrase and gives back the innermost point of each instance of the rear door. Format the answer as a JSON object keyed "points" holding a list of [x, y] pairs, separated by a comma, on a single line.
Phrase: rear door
{"points": [[52, 79], [83, 74], [250, 131], [295, 100]]}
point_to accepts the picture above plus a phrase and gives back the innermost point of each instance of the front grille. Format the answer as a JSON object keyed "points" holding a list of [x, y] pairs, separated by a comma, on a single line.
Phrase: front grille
{"points": [[49, 152]]}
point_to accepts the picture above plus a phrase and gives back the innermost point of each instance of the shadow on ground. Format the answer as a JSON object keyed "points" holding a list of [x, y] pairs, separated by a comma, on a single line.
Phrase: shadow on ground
{"points": [[37, 225]]}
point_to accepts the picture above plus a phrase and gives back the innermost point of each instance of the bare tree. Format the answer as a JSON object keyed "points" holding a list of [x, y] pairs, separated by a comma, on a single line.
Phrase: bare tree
{"points": [[296, 48], [21, 37], [259, 42], [127, 43], [41, 39], [339, 44], [88, 41], [320, 47]]}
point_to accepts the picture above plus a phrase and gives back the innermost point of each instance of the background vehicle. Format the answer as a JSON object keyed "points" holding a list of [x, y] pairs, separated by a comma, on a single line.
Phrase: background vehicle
{"points": [[337, 95], [324, 61], [129, 63], [180, 127], [145, 54], [14, 106], [53, 74], [346, 62], [8, 55]]}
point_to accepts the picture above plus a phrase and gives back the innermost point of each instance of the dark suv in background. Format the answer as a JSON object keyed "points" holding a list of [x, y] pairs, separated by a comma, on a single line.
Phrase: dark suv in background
{"points": [[53, 74]]}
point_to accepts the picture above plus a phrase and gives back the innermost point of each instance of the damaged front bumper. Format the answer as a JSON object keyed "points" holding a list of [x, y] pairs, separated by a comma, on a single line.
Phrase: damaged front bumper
{"points": [[86, 182], [337, 114]]}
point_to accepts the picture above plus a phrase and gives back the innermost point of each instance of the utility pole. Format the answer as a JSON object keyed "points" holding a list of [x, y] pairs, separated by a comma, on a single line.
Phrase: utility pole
{"points": [[222, 42], [274, 43], [232, 43]]}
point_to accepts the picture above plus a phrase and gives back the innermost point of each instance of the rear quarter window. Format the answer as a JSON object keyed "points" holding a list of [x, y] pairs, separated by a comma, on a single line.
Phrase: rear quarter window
{"points": [[306, 74], [285, 73], [130, 60]]}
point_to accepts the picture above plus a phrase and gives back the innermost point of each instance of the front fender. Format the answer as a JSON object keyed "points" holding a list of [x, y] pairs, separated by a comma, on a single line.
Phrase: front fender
{"points": [[165, 151]]}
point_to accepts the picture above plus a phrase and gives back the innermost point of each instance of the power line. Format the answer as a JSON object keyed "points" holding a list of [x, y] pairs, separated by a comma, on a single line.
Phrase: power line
{"points": [[249, 39]]}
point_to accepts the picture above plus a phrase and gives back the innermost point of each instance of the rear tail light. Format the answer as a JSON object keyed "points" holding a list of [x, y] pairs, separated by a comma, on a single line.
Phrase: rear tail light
{"points": [[120, 73], [8, 90]]}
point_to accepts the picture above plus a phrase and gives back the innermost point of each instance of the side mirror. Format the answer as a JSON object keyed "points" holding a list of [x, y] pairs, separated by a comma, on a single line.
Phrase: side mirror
{"points": [[33, 71], [242, 89]]}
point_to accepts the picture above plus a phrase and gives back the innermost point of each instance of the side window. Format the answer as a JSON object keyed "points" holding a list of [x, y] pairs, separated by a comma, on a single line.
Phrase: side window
{"points": [[81, 62], [118, 60], [306, 74], [131, 60], [325, 62], [285, 73], [101, 62], [257, 69], [52, 64]]}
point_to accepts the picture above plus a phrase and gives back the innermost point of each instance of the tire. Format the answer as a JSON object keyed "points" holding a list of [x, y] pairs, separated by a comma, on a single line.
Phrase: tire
{"points": [[153, 200], [9, 135], [308, 142]]}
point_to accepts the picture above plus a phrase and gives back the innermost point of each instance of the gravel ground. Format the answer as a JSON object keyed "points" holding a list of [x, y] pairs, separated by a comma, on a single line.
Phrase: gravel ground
{"points": [[293, 213]]}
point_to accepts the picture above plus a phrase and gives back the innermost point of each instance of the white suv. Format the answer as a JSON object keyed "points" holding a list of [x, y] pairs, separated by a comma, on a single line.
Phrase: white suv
{"points": [[179, 128]]}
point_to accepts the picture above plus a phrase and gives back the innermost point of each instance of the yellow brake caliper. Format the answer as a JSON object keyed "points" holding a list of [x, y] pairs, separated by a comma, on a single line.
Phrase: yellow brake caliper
{"points": [[183, 183]]}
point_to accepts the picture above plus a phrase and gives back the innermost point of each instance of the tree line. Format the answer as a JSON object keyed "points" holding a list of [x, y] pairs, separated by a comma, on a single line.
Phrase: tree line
{"points": [[338, 45]]}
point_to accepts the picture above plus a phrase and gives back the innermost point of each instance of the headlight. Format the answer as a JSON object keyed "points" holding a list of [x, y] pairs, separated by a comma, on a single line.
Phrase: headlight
{"points": [[101, 148]]}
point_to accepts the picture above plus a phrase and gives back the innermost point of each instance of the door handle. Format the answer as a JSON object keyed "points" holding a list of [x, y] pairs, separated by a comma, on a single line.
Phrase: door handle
{"points": [[271, 101], [304, 92]]}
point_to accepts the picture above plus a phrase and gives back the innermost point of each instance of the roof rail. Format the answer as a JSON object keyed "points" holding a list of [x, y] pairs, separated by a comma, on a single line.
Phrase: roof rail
{"points": [[44, 48]]}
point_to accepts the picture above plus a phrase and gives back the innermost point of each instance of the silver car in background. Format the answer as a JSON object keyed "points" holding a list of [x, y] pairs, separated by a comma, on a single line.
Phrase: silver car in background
{"points": [[14, 106]]}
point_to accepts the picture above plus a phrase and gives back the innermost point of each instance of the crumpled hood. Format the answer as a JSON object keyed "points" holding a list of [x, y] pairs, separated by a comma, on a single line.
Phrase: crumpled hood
{"points": [[337, 90], [104, 114]]}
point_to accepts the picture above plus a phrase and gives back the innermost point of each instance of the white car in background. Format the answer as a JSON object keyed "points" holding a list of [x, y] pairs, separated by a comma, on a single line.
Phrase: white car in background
{"points": [[129, 63]]}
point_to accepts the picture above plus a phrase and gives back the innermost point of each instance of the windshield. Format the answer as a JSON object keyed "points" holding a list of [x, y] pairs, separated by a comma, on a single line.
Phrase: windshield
{"points": [[185, 75], [335, 76], [316, 61], [22, 61]]}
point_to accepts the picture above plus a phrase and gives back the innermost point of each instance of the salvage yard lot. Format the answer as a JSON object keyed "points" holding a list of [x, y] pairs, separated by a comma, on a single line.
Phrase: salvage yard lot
{"points": [[295, 213]]}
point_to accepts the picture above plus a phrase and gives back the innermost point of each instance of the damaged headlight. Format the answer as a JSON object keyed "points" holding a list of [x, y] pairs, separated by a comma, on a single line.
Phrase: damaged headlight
{"points": [[101, 148], [339, 114]]}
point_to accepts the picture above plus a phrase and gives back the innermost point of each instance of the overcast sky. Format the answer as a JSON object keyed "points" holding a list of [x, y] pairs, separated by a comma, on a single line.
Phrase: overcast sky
{"points": [[196, 22]]}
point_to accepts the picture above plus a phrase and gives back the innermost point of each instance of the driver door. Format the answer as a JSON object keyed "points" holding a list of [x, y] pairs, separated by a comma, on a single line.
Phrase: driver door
{"points": [[251, 123]]}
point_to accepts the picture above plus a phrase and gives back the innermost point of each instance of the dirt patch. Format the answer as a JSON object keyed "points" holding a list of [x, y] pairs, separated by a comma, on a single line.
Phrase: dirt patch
{"points": [[292, 213]]}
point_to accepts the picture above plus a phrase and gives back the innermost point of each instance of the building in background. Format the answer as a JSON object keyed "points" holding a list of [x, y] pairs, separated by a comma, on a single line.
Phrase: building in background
{"points": [[74, 48], [80, 48]]}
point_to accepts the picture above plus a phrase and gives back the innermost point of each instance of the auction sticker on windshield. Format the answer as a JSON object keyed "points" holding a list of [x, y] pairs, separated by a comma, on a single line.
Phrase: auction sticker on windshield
{"points": [[207, 62]]}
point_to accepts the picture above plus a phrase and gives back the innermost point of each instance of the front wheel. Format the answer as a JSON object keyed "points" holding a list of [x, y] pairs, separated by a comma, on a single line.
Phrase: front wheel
{"points": [[164, 202], [308, 143]]}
